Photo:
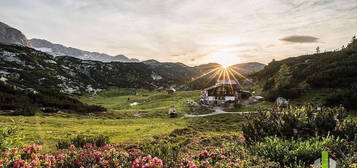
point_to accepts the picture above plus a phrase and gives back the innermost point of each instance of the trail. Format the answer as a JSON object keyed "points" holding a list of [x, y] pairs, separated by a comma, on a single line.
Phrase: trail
{"points": [[217, 111]]}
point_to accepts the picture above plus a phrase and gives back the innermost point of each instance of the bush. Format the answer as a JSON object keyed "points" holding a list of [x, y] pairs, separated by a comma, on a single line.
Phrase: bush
{"points": [[26, 110], [295, 153], [294, 122], [82, 140], [290, 93], [347, 129], [9, 138], [347, 98], [106, 156]]}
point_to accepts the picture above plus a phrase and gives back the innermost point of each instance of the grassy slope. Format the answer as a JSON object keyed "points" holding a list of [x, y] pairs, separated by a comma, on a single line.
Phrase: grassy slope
{"points": [[47, 129], [154, 104]]}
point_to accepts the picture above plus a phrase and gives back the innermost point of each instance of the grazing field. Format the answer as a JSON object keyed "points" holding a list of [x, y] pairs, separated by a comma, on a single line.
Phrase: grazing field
{"points": [[150, 104], [122, 123], [47, 131], [138, 120]]}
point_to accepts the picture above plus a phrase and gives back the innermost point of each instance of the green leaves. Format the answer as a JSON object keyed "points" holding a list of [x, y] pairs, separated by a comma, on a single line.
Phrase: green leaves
{"points": [[295, 122], [9, 138], [295, 153]]}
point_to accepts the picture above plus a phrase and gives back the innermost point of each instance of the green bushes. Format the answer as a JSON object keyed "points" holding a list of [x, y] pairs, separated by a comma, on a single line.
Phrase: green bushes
{"points": [[295, 136], [294, 122], [346, 129], [82, 140], [346, 97], [9, 138], [295, 153]]}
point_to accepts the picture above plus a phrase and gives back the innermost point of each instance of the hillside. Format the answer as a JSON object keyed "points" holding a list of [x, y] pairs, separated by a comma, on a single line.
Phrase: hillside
{"points": [[297, 76], [29, 68], [31, 79], [248, 68]]}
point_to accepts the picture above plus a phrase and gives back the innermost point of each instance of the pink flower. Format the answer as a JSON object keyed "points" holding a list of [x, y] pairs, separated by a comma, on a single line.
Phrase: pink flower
{"points": [[146, 165], [203, 155], [35, 162], [192, 165], [72, 147], [134, 152], [19, 163], [28, 149], [97, 154], [5, 155], [88, 146], [156, 162], [14, 150], [60, 156]]}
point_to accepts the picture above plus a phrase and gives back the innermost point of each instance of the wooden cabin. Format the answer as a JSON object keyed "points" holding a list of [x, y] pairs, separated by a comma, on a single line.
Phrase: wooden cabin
{"points": [[224, 91]]}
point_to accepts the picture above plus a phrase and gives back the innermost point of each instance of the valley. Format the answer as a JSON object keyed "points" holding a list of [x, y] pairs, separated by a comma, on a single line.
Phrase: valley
{"points": [[66, 107], [122, 123]]}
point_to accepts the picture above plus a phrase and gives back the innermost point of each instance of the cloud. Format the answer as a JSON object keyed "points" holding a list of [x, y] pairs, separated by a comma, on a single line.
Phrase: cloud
{"points": [[300, 39], [186, 30]]}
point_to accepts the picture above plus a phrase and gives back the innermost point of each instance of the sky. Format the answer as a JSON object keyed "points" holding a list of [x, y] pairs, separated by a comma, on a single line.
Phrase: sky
{"points": [[188, 31]]}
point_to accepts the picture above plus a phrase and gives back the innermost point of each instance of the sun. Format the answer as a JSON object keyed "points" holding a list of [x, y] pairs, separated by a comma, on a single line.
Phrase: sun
{"points": [[225, 59]]}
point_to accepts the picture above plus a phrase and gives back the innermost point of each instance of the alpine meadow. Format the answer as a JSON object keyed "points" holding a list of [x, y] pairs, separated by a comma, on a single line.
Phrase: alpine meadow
{"points": [[178, 84]]}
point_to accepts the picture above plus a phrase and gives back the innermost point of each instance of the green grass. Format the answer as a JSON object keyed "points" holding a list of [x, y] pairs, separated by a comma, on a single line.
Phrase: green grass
{"points": [[254, 107], [119, 122], [154, 104], [49, 130], [222, 123]]}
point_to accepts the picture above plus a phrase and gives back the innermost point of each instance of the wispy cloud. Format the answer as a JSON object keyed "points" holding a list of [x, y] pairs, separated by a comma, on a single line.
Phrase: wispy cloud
{"points": [[300, 39]]}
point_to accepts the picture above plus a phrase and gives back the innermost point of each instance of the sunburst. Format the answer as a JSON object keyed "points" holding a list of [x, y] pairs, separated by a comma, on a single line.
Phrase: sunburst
{"points": [[220, 73]]}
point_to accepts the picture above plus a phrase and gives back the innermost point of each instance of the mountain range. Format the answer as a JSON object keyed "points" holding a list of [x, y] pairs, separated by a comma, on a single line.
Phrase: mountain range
{"points": [[42, 73], [61, 50], [36, 65]]}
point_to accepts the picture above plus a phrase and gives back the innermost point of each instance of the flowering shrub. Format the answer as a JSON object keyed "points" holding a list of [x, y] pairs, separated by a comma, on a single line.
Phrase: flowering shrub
{"points": [[201, 152], [89, 156]]}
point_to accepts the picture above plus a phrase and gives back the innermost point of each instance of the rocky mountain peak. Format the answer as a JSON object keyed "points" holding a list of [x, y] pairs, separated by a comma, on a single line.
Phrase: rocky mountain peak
{"points": [[10, 35]]}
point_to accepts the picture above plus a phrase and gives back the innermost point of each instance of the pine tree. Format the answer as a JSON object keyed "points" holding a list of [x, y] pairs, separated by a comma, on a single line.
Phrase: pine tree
{"points": [[317, 49], [283, 77]]}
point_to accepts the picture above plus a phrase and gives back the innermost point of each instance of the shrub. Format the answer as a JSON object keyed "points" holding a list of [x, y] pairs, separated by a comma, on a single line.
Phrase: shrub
{"points": [[83, 140], [9, 138], [26, 110], [293, 122], [106, 156], [347, 98], [295, 153], [347, 129]]}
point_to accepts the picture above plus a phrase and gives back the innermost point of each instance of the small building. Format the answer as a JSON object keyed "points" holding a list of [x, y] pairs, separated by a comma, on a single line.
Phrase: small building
{"points": [[171, 91], [224, 91]]}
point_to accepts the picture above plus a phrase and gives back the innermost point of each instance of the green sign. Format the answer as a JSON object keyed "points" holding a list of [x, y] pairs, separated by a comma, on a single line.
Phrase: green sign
{"points": [[324, 159]]}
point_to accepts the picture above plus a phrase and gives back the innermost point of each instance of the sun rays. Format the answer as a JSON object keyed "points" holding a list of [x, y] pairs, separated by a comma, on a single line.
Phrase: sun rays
{"points": [[220, 73]]}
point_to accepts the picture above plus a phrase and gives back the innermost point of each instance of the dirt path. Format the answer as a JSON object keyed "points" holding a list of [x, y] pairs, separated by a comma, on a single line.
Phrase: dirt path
{"points": [[217, 111]]}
